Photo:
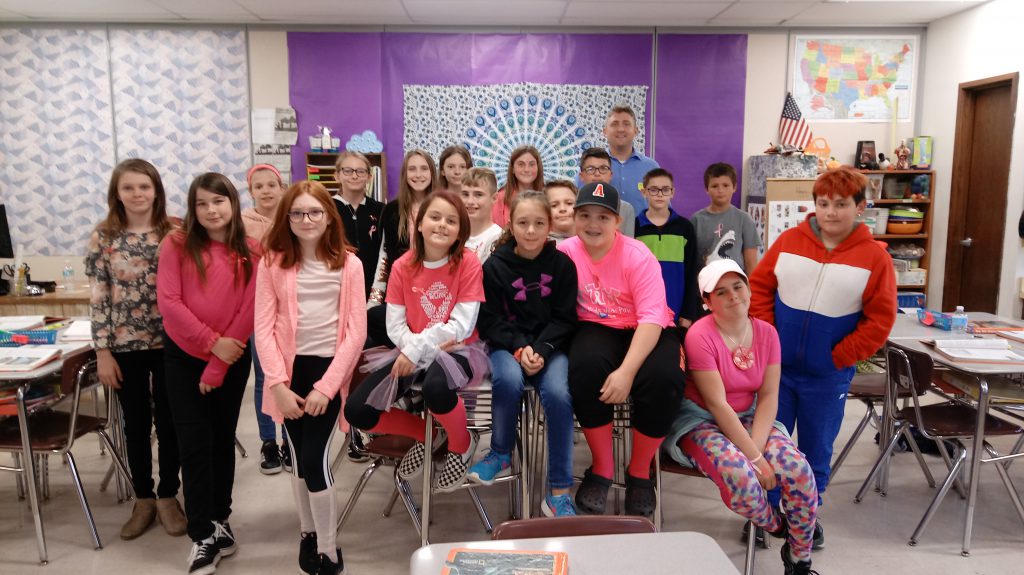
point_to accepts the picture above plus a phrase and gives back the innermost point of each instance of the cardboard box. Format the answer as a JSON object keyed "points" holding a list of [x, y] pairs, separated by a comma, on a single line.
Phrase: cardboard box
{"points": [[914, 277]]}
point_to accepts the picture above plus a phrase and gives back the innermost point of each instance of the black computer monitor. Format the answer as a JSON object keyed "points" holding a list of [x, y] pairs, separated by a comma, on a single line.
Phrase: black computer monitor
{"points": [[6, 247]]}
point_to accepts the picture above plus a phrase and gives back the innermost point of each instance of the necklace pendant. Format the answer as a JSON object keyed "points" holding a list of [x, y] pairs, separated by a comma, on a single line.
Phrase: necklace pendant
{"points": [[743, 358]]}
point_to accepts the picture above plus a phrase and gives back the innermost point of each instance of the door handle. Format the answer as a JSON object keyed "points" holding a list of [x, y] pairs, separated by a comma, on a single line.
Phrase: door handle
{"points": [[966, 242]]}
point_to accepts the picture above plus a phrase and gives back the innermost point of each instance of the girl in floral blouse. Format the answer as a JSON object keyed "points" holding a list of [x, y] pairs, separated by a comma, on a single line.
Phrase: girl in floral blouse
{"points": [[127, 332]]}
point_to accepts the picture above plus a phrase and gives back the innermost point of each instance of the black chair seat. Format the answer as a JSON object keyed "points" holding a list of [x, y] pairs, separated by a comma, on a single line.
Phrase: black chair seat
{"points": [[953, 419]]}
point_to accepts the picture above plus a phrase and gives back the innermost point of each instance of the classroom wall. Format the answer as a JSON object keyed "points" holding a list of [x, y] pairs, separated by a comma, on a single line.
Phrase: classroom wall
{"points": [[973, 45]]}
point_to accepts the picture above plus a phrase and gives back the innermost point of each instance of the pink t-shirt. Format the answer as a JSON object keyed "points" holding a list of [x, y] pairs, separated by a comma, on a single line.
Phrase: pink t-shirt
{"points": [[622, 290], [706, 350], [430, 294]]}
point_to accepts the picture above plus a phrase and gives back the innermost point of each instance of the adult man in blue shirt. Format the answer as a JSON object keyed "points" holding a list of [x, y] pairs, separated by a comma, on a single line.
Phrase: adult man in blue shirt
{"points": [[629, 166]]}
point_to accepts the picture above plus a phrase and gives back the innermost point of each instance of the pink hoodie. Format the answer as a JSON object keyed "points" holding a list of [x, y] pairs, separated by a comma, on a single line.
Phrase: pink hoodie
{"points": [[256, 226], [277, 314]]}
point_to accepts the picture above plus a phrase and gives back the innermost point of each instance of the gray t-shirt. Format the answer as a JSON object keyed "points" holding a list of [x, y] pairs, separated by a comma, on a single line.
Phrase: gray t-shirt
{"points": [[724, 235]]}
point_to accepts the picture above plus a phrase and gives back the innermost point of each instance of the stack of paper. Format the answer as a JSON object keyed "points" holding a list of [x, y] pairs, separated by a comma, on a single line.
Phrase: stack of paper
{"points": [[79, 330], [993, 350]]}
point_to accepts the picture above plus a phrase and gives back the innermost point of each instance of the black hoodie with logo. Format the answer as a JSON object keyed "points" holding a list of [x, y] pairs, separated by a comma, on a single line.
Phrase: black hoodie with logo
{"points": [[529, 302]]}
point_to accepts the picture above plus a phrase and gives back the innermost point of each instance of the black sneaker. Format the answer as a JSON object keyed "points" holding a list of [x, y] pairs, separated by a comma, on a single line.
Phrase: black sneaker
{"points": [[203, 558], [795, 568], [309, 559], [328, 567], [356, 449], [271, 458], [224, 538], [286, 457], [819, 537]]}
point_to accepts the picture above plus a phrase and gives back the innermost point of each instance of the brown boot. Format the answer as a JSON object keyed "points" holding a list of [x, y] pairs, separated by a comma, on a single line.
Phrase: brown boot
{"points": [[171, 515], [142, 517]]}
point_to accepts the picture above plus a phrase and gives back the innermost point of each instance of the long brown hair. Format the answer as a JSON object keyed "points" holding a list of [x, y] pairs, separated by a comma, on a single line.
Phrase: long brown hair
{"points": [[197, 240], [522, 197], [405, 192], [512, 184], [332, 247], [117, 219], [455, 251]]}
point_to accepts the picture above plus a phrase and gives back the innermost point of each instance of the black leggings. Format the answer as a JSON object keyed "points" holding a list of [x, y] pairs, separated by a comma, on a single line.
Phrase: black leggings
{"points": [[436, 395], [206, 435], [598, 350], [310, 437], [143, 399]]}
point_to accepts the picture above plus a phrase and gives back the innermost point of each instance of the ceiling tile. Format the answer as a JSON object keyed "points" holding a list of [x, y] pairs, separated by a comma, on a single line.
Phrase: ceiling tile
{"points": [[208, 10], [461, 12], [94, 10], [773, 12], [377, 12], [877, 14]]}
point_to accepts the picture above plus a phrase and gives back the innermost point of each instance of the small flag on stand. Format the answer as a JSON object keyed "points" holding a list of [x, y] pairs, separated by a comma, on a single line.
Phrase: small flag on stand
{"points": [[793, 130]]}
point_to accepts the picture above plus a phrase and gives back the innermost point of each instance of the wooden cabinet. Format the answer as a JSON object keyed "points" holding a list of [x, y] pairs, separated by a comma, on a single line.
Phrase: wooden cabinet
{"points": [[320, 168], [60, 303], [895, 189]]}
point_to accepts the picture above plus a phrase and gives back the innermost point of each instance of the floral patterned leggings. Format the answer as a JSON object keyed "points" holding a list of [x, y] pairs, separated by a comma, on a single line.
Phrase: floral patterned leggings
{"points": [[726, 465]]}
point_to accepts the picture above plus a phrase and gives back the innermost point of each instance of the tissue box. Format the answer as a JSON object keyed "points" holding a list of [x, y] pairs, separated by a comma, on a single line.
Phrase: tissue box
{"points": [[935, 319], [912, 277]]}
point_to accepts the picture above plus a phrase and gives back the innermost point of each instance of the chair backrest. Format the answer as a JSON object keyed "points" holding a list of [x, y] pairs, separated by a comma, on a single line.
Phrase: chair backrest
{"points": [[571, 526], [910, 374], [71, 370]]}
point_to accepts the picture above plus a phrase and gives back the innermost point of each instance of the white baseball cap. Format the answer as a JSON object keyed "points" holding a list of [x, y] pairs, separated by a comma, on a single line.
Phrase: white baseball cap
{"points": [[708, 277]]}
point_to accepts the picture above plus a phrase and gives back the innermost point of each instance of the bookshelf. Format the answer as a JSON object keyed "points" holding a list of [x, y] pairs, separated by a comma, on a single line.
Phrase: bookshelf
{"points": [[895, 189], [320, 168]]}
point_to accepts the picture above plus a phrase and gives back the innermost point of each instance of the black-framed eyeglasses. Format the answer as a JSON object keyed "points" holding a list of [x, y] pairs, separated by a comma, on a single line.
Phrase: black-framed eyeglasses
{"points": [[313, 215], [666, 191], [357, 171], [591, 170]]}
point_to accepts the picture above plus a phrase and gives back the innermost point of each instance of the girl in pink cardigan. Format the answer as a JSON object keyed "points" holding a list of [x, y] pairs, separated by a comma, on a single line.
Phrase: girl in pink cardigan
{"points": [[310, 329]]}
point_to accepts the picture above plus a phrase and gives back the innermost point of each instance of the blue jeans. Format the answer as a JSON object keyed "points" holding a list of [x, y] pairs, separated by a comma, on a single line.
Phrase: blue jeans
{"points": [[814, 406], [266, 423], [552, 384]]}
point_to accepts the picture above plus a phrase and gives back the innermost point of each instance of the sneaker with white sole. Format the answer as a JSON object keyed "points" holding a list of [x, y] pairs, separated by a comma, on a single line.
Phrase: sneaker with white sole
{"points": [[456, 465], [493, 466], [558, 505], [203, 558], [412, 462]]}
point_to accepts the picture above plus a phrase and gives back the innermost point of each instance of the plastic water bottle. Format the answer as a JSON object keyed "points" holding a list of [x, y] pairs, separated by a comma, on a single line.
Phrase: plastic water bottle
{"points": [[69, 276], [959, 322]]}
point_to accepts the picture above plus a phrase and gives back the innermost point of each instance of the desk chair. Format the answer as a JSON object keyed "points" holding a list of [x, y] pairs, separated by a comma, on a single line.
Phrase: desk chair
{"points": [[56, 431], [669, 466], [571, 526], [910, 373]]}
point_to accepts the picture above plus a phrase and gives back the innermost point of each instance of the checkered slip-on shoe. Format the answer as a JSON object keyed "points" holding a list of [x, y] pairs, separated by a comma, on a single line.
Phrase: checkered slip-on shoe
{"points": [[456, 465], [412, 463]]}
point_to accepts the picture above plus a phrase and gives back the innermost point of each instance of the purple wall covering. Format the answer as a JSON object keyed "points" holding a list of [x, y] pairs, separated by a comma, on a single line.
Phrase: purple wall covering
{"points": [[353, 82], [699, 115]]}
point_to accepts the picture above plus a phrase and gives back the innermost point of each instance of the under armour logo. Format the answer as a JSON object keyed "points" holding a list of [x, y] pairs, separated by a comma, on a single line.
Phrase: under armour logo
{"points": [[599, 191], [545, 291]]}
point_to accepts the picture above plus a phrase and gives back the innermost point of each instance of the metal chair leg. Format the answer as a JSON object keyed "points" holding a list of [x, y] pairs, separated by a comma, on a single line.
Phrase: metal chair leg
{"points": [[864, 421], [1016, 449], [391, 503], [116, 462], [961, 456], [358, 490], [338, 457], [958, 484], [405, 492], [882, 458], [920, 458], [82, 499], [484, 518], [240, 448], [748, 566], [1007, 482]]}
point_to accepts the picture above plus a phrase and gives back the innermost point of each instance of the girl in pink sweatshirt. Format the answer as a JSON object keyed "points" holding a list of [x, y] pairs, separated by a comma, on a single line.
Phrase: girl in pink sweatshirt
{"points": [[310, 329], [205, 289]]}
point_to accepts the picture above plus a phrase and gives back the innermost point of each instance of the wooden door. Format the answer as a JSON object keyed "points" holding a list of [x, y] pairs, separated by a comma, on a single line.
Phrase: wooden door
{"points": [[977, 204]]}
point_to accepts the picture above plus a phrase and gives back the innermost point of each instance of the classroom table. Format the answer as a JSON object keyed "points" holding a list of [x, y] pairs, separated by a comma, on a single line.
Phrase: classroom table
{"points": [[677, 552], [977, 383]]}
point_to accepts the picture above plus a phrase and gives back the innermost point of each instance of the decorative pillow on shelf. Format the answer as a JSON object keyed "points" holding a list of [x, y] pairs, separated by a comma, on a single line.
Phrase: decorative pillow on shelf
{"points": [[366, 143]]}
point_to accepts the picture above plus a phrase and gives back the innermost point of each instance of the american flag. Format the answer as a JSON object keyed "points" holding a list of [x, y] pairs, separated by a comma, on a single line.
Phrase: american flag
{"points": [[793, 131]]}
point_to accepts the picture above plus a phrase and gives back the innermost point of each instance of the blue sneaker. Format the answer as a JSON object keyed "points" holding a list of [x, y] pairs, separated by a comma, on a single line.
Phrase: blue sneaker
{"points": [[558, 505], [493, 466]]}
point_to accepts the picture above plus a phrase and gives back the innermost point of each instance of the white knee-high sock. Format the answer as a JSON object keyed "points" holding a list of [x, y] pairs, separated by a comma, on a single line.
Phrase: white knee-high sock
{"points": [[325, 518], [301, 496]]}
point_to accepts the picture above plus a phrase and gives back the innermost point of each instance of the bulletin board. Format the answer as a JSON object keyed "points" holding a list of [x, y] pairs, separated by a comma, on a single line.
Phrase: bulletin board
{"points": [[787, 204]]}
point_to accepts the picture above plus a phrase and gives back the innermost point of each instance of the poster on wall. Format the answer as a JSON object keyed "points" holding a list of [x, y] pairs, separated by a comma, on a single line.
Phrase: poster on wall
{"points": [[854, 78], [560, 120]]}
